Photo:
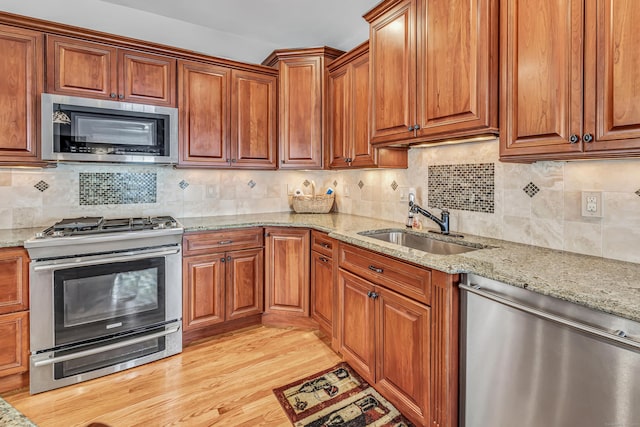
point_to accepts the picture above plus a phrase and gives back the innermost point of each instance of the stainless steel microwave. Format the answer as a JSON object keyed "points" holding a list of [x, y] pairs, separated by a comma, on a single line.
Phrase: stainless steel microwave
{"points": [[92, 130]]}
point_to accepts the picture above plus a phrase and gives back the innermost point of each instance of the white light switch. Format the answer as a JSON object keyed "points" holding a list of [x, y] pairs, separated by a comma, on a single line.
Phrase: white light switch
{"points": [[592, 204]]}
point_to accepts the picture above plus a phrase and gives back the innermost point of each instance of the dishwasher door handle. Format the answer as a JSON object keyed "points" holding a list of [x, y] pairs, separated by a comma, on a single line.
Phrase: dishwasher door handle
{"points": [[475, 289]]}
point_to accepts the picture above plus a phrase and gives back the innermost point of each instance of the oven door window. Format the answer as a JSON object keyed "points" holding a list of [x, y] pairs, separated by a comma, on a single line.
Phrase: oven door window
{"points": [[106, 299]]}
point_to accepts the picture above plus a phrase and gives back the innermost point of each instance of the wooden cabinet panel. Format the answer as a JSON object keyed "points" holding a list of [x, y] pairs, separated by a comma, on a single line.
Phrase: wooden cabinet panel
{"points": [[402, 341], [393, 73], [253, 120], [245, 283], [14, 280], [340, 126], [322, 290], [203, 290], [457, 72], [81, 68], [357, 330], [21, 59], [204, 114], [14, 343], [541, 96], [147, 78], [202, 243], [362, 152], [287, 271], [612, 76], [400, 276], [322, 243]]}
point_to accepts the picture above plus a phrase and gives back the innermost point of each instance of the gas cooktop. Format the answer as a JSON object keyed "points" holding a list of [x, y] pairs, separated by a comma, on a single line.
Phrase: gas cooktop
{"points": [[98, 225]]}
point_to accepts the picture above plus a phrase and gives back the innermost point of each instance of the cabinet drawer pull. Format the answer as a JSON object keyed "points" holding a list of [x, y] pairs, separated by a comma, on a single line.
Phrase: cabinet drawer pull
{"points": [[325, 245], [225, 242], [376, 269], [323, 259]]}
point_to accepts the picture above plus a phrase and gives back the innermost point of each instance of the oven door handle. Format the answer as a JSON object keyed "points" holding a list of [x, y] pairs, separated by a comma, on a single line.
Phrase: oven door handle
{"points": [[127, 256], [107, 347]]}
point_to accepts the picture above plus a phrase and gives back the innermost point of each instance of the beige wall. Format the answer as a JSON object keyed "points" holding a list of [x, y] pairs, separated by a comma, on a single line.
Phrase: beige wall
{"points": [[551, 218]]}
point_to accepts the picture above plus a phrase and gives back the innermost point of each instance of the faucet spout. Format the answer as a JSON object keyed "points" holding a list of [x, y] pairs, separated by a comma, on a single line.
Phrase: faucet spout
{"points": [[443, 221]]}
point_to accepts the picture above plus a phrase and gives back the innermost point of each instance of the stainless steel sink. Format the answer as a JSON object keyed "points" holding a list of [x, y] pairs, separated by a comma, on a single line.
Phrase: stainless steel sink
{"points": [[420, 242]]}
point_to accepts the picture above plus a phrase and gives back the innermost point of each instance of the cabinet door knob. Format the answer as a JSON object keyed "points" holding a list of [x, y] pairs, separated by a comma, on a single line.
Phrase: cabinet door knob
{"points": [[411, 128], [229, 258], [416, 127], [323, 259], [587, 137], [223, 259], [574, 138], [112, 95], [374, 295], [369, 294], [121, 96]]}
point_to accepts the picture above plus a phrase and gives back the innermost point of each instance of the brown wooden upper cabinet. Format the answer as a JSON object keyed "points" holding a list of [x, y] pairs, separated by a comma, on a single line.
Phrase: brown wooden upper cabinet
{"points": [[434, 70], [569, 79], [301, 105], [94, 70], [227, 117], [21, 68], [348, 116]]}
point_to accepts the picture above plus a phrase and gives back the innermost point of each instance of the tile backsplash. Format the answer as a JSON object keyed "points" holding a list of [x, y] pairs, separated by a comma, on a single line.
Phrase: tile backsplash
{"points": [[537, 203]]}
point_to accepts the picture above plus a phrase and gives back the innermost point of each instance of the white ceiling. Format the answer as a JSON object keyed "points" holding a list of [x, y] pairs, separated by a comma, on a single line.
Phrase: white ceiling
{"points": [[269, 23]]}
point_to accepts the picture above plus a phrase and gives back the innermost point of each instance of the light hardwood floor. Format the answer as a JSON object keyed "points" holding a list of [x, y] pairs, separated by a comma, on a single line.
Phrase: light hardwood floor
{"points": [[224, 381]]}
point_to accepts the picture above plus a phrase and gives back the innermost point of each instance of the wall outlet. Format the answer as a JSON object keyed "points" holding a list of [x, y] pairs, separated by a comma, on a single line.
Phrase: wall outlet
{"points": [[592, 204], [212, 191]]}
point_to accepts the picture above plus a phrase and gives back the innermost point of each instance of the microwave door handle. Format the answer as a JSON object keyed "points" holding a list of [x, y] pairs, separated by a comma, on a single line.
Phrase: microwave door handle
{"points": [[104, 348], [127, 256]]}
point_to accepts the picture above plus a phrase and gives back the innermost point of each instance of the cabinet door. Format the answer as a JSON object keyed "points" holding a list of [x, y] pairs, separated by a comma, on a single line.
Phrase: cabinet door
{"points": [[402, 359], [322, 290], [203, 290], [541, 76], [357, 330], [457, 67], [80, 68], [339, 118], [612, 75], [147, 78], [203, 102], [14, 280], [245, 283], [300, 116], [362, 153], [20, 87], [253, 120], [287, 271], [14, 343], [393, 73]]}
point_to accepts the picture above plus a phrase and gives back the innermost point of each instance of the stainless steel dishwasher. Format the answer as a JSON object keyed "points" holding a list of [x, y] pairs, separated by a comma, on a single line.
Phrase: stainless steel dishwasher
{"points": [[529, 360]]}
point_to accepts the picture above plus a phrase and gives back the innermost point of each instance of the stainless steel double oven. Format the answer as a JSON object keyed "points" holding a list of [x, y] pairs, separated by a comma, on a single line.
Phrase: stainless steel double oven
{"points": [[103, 300]]}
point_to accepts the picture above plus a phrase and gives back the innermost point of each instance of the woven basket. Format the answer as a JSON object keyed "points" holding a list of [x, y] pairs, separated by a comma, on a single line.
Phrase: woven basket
{"points": [[313, 204]]}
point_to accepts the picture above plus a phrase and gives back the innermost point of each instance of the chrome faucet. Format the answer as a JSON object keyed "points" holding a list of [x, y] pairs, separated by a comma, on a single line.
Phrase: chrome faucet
{"points": [[443, 221]]}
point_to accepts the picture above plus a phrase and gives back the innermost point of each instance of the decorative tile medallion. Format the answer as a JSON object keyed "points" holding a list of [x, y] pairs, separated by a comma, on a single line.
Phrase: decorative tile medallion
{"points": [[306, 183], [638, 192], [335, 184], [183, 184], [467, 187], [41, 185], [117, 188], [360, 184], [251, 183], [394, 185], [531, 189]]}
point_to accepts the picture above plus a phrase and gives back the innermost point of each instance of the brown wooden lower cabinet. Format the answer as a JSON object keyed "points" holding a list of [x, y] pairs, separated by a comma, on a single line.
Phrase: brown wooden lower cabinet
{"points": [[14, 318], [222, 289], [287, 255], [324, 294], [405, 348]]}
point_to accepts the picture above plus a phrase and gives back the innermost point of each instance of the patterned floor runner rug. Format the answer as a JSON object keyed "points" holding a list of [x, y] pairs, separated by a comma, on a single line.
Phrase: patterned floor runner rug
{"points": [[337, 397]]}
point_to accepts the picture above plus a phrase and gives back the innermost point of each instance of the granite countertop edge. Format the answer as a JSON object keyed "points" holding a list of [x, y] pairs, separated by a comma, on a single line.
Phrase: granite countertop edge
{"points": [[11, 417]]}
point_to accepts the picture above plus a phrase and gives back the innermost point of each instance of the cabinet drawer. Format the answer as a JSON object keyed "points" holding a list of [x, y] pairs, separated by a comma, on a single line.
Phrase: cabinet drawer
{"points": [[322, 243], [216, 241], [407, 279]]}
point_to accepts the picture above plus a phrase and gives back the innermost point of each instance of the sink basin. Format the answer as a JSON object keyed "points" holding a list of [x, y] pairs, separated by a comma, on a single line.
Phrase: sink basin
{"points": [[420, 242]]}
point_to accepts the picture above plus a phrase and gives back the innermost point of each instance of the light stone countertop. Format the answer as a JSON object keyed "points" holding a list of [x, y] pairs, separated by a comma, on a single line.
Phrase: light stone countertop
{"points": [[603, 284], [11, 417], [17, 236]]}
